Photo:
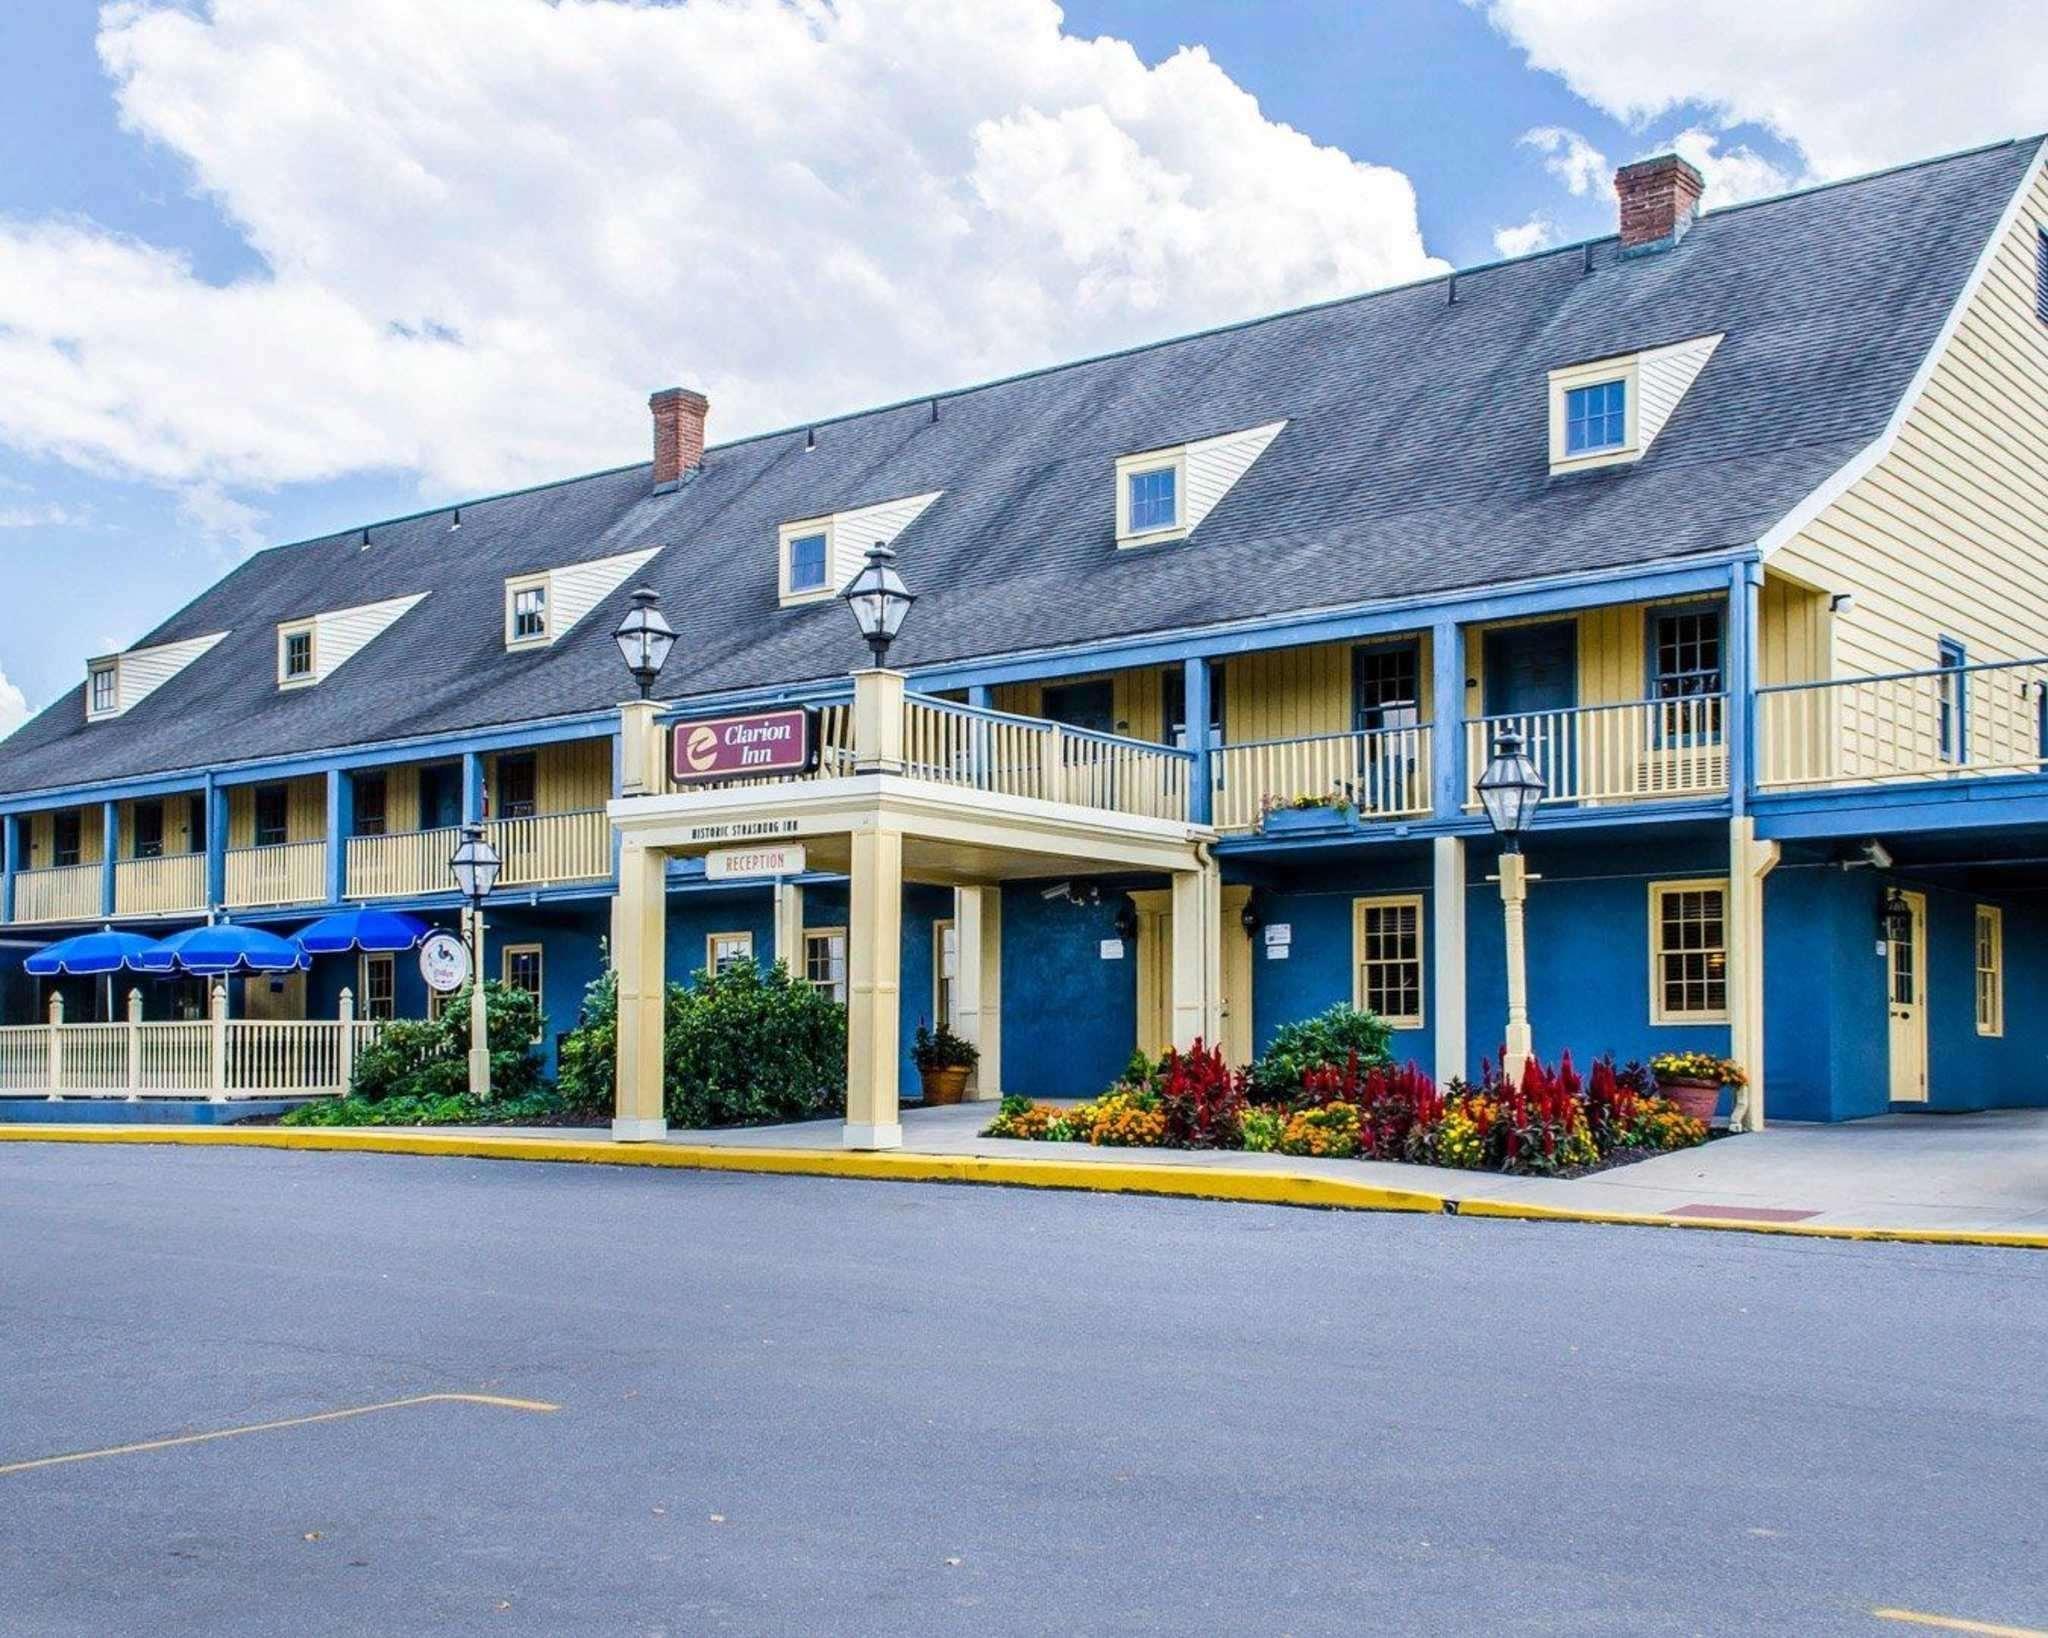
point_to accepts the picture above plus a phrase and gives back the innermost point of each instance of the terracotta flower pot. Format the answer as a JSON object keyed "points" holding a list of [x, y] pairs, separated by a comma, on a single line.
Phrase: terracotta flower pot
{"points": [[944, 1085], [1697, 1099]]}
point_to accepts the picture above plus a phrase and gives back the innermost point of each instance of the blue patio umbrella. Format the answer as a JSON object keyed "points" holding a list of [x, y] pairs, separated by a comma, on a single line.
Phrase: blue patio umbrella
{"points": [[92, 954], [229, 948], [365, 929]]}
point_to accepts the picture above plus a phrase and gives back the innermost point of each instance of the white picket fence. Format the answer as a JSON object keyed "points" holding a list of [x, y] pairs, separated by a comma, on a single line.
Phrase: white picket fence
{"points": [[218, 1058]]}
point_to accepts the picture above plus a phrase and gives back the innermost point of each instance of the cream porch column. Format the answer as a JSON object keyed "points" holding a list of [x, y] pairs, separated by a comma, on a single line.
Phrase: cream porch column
{"points": [[789, 927], [1749, 862], [874, 986], [1447, 918], [978, 925], [639, 939], [1197, 955]]}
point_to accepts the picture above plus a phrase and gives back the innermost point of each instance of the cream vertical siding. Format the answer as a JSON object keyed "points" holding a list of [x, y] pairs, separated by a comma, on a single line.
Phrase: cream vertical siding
{"points": [[573, 776], [1947, 535], [1793, 645], [40, 834], [305, 811]]}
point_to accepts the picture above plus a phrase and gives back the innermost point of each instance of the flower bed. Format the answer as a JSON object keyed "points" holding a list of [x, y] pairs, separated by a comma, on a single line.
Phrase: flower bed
{"points": [[1549, 1123]]}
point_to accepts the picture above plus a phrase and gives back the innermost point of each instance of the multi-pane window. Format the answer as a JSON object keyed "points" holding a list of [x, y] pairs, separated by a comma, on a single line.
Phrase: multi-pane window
{"points": [[1386, 686], [2041, 276], [295, 656], [1595, 418], [380, 987], [1990, 970], [273, 805], [1953, 702], [807, 563], [723, 950], [945, 972], [373, 804], [67, 838], [149, 830], [105, 683], [825, 961], [518, 787], [1387, 936], [1152, 500], [1689, 952], [530, 613], [523, 972], [1686, 674]]}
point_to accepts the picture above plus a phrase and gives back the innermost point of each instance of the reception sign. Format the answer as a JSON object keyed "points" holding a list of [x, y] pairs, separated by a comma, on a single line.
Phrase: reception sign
{"points": [[725, 864], [756, 744]]}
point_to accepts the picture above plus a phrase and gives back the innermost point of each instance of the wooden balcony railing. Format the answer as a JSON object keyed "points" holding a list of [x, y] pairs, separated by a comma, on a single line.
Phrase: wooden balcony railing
{"points": [[959, 745], [62, 893], [168, 883], [552, 847], [1383, 773], [406, 863], [1641, 751], [285, 873], [1905, 725]]}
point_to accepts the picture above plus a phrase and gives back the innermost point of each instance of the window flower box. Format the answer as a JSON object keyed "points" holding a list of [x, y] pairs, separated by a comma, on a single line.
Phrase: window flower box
{"points": [[1324, 819]]}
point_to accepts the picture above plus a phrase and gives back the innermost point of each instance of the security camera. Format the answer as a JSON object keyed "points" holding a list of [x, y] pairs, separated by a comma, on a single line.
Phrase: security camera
{"points": [[1878, 854]]}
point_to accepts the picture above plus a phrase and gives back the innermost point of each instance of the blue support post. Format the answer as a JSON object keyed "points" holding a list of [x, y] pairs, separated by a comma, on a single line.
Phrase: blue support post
{"points": [[110, 845], [1745, 591], [216, 844], [341, 821], [472, 788], [11, 839], [1201, 778], [1447, 719], [981, 697]]}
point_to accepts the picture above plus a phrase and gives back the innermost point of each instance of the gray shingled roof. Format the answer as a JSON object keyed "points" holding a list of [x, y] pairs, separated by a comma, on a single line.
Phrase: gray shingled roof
{"points": [[1415, 461]]}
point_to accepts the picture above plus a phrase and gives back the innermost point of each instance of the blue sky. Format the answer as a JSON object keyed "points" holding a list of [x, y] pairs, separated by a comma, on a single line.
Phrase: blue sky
{"points": [[274, 267]]}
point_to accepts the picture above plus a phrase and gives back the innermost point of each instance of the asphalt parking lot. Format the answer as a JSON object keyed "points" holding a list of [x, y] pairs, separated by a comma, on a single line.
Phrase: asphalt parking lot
{"points": [[789, 1405]]}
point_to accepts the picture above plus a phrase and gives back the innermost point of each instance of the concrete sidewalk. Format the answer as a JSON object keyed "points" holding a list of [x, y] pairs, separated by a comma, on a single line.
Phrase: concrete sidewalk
{"points": [[1974, 1177]]}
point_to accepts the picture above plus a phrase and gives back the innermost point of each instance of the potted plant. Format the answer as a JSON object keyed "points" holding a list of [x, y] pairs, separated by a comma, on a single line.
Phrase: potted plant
{"points": [[943, 1063], [1693, 1081], [1307, 815]]}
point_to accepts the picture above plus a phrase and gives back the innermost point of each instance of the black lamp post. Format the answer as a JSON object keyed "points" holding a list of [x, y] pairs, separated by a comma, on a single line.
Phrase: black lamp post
{"points": [[475, 864], [879, 600], [1509, 791], [645, 638]]}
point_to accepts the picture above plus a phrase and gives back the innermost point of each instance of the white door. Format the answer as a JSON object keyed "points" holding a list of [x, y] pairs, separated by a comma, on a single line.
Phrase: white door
{"points": [[1906, 997]]}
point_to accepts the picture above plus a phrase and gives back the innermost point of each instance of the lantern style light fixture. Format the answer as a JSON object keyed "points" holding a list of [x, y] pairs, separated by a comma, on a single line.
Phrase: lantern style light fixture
{"points": [[476, 865], [1894, 918], [879, 600], [1510, 789], [645, 638]]}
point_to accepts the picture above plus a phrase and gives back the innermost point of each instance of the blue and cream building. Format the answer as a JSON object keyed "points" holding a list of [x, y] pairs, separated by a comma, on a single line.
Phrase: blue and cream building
{"points": [[1739, 519]]}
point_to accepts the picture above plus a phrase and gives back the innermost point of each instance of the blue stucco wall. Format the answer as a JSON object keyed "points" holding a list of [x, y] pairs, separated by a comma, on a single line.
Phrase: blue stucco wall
{"points": [[1070, 1019], [1826, 1056]]}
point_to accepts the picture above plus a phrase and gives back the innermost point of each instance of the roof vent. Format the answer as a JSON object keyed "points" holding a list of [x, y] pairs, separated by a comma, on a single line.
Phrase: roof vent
{"points": [[678, 434], [1660, 199]]}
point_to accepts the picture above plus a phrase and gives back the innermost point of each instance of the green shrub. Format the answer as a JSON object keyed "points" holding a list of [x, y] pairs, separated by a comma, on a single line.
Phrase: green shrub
{"points": [[1325, 1041], [742, 1047], [429, 1058], [941, 1049], [459, 1109]]}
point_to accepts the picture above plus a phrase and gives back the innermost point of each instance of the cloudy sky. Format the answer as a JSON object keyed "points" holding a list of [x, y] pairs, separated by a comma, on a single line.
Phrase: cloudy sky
{"points": [[274, 267]]}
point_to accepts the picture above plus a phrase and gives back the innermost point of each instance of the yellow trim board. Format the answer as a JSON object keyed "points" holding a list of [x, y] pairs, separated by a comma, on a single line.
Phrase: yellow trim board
{"points": [[498, 1400], [895, 1166]]}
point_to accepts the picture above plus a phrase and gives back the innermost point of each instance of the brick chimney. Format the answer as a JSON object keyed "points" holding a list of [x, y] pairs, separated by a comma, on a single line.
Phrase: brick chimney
{"points": [[678, 434], [1660, 199]]}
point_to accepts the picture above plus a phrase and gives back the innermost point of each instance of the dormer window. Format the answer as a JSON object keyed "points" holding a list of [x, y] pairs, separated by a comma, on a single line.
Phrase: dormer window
{"points": [[104, 681], [526, 611], [807, 557], [1596, 418], [1153, 498], [1164, 494], [295, 662]]}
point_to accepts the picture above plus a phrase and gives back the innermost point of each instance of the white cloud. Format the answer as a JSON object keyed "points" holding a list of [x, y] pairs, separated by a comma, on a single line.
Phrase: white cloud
{"points": [[1854, 84], [1574, 161], [218, 516], [13, 706], [1538, 233], [489, 227], [38, 515], [1731, 174]]}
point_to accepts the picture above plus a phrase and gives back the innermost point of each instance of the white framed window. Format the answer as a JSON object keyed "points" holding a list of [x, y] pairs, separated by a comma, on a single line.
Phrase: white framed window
{"points": [[521, 970], [437, 1004], [1689, 952], [804, 552], [526, 611], [377, 982], [103, 688], [1151, 494], [1386, 945], [1594, 415], [296, 654], [945, 973], [1990, 970], [825, 961], [723, 950]]}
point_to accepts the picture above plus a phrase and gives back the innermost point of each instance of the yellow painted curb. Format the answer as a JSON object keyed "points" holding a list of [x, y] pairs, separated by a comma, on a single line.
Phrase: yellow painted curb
{"points": [[1105, 1177]]}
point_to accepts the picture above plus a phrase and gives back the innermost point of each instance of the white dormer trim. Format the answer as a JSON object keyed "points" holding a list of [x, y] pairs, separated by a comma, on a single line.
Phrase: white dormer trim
{"points": [[338, 635], [1204, 472], [848, 535], [570, 592], [140, 672], [1653, 382]]}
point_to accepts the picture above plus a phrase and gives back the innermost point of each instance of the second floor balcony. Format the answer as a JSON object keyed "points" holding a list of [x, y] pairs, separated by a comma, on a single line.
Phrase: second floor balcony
{"points": [[537, 850]]}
